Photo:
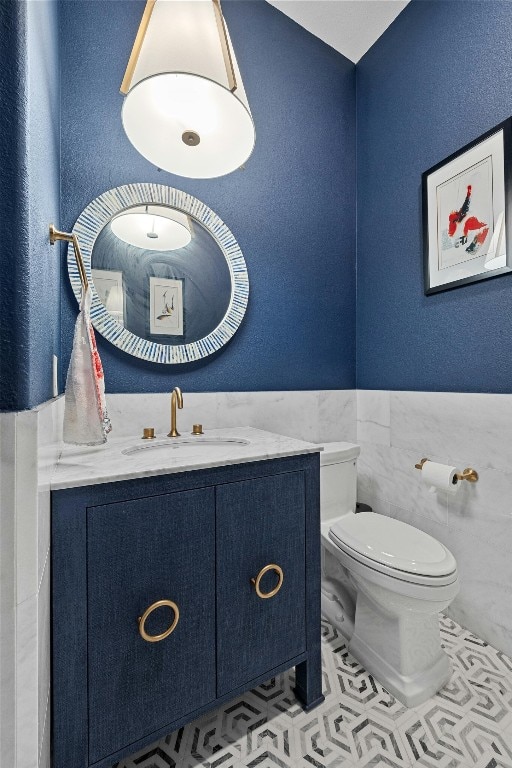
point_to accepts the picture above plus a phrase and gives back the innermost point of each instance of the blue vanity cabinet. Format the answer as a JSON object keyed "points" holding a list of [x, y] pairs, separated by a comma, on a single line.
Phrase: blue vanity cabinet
{"points": [[260, 522], [139, 553], [197, 539]]}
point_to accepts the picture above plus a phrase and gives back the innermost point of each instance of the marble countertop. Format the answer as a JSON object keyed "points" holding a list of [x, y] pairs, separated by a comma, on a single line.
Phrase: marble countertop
{"points": [[84, 465]]}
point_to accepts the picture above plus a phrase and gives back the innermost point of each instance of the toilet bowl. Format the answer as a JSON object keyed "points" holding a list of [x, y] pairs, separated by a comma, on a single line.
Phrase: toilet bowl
{"points": [[383, 584]]}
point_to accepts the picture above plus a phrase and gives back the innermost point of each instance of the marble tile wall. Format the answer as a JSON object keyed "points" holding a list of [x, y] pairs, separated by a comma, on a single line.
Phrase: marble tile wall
{"points": [[7, 587], [49, 440], [397, 429], [29, 447], [316, 416]]}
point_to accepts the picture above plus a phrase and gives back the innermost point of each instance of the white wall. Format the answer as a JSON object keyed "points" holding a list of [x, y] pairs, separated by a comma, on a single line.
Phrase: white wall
{"points": [[29, 446], [396, 430]]}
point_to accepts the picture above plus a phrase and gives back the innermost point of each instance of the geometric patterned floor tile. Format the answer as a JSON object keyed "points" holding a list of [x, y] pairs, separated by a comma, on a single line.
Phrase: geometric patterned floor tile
{"points": [[484, 744], [325, 738], [469, 658], [504, 661], [448, 626], [280, 700], [274, 739], [468, 724], [430, 737], [376, 744]]}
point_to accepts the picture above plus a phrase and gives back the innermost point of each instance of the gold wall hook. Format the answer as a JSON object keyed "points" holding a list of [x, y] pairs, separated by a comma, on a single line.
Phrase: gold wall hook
{"points": [[67, 237]]}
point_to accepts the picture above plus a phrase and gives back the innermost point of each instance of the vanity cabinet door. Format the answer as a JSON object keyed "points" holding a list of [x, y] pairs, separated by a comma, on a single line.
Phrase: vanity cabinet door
{"points": [[259, 522], [140, 552]]}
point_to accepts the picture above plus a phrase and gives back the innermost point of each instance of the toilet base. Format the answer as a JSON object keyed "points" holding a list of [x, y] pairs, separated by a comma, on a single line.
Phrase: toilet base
{"points": [[412, 689], [397, 639], [393, 636]]}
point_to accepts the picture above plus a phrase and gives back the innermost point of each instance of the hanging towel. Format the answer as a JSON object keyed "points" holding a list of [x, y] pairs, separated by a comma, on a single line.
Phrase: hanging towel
{"points": [[86, 421]]}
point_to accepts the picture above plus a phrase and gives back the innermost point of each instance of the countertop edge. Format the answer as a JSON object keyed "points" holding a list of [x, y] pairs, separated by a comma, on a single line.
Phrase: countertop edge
{"points": [[59, 485]]}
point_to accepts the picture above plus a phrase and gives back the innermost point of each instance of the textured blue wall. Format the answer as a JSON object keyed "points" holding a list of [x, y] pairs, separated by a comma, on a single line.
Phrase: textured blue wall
{"points": [[29, 200], [292, 209], [43, 144], [439, 77], [13, 195]]}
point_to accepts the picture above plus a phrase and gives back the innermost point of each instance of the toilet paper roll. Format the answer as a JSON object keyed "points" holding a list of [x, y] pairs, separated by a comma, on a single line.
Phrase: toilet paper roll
{"points": [[440, 477]]}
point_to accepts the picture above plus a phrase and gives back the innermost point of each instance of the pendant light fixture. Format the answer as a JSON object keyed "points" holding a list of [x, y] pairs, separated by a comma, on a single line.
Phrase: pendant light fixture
{"points": [[153, 228], [185, 108]]}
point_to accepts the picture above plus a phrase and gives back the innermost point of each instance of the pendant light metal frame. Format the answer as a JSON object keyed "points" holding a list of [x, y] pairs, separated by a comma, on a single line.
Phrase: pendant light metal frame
{"points": [[137, 45], [141, 33]]}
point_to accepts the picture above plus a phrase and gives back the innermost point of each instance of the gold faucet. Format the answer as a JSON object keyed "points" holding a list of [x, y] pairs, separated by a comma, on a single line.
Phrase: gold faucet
{"points": [[176, 399]]}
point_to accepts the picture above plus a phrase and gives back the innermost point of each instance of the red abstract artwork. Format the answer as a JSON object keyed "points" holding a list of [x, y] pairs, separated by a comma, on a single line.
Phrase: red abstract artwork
{"points": [[471, 224]]}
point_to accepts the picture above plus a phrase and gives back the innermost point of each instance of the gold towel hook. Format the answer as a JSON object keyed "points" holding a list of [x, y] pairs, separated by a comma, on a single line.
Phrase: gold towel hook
{"points": [[56, 235]]}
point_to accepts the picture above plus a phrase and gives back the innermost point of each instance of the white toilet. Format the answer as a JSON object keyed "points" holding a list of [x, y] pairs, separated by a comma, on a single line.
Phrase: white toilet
{"points": [[383, 585]]}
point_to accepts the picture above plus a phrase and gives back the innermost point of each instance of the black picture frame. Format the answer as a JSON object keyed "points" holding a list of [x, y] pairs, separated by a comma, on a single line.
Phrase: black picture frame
{"points": [[438, 183]]}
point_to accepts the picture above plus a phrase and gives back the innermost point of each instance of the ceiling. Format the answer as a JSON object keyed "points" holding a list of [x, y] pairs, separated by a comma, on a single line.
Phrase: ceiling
{"points": [[349, 26]]}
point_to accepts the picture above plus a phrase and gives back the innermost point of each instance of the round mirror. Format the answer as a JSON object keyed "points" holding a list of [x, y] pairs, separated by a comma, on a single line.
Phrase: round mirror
{"points": [[169, 281]]}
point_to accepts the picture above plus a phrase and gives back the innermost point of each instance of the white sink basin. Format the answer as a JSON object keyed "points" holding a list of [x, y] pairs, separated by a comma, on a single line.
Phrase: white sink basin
{"points": [[185, 445]]}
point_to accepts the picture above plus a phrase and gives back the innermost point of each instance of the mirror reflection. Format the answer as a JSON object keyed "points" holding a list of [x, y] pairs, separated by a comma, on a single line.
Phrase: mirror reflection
{"points": [[161, 274]]}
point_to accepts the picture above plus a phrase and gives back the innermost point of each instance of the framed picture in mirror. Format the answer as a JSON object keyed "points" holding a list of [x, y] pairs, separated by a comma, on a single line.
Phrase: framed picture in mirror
{"points": [[110, 289], [467, 213]]}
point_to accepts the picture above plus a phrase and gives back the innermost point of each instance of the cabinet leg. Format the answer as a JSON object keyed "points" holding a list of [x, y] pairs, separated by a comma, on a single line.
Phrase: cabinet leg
{"points": [[308, 681]]}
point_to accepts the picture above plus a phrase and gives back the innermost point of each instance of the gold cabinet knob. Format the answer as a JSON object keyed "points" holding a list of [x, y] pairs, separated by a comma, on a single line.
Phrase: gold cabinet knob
{"points": [[148, 611], [266, 569]]}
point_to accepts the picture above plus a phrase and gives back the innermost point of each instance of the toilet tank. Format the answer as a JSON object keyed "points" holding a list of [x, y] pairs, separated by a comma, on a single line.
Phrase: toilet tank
{"points": [[338, 479]]}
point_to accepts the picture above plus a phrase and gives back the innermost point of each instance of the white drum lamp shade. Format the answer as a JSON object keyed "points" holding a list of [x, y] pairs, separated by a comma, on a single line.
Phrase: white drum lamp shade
{"points": [[185, 108], [153, 228]]}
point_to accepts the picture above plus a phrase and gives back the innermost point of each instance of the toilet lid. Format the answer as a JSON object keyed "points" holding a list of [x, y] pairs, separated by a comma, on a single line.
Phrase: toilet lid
{"points": [[393, 543], [337, 453]]}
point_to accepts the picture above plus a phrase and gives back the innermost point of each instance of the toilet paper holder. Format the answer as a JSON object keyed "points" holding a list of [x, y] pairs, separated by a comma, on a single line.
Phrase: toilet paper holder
{"points": [[469, 474]]}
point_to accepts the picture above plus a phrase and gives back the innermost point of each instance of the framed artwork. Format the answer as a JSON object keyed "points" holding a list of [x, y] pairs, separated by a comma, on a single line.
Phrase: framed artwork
{"points": [[467, 211], [166, 306], [110, 289]]}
